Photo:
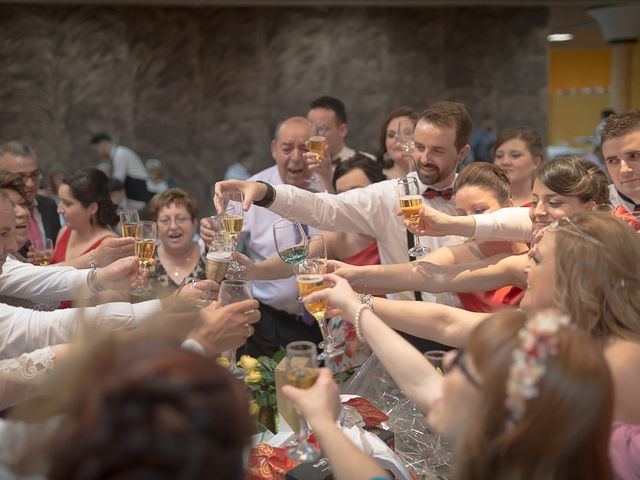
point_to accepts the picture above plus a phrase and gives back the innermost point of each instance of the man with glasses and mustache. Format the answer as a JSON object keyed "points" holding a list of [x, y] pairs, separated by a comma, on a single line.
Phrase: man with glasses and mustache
{"points": [[44, 221]]}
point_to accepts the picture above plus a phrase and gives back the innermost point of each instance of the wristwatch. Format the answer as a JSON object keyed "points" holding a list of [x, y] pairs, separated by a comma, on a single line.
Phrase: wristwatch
{"points": [[269, 197]]}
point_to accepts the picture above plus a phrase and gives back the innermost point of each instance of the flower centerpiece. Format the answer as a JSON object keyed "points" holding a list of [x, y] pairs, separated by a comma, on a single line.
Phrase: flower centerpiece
{"points": [[261, 384]]}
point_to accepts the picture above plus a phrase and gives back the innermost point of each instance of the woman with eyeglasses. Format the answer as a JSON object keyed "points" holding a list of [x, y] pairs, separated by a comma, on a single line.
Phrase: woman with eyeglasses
{"points": [[178, 255], [88, 213], [526, 399]]}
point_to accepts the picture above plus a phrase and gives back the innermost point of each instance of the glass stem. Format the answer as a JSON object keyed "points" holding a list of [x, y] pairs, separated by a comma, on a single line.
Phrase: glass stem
{"points": [[303, 431], [417, 238], [326, 335], [233, 361]]}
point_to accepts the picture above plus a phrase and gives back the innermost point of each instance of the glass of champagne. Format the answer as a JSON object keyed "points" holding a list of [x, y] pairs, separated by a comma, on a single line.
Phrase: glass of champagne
{"points": [[146, 234], [232, 291], [43, 251], [410, 203], [309, 278], [302, 362], [129, 220], [218, 257], [232, 221], [317, 145]]}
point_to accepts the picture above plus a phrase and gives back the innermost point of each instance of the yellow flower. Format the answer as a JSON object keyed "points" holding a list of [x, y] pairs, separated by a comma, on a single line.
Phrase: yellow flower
{"points": [[253, 377], [248, 363], [223, 362], [254, 408]]}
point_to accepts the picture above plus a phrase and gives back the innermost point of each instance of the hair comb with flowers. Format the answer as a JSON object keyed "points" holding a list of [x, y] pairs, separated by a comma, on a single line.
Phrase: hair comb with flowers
{"points": [[538, 341]]}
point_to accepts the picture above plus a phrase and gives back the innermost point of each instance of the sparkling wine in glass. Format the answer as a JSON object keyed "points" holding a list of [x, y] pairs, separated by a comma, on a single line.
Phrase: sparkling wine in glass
{"points": [[43, 251], [410, 204], [232, 222], [302, 362], [146, 235], [232, 291], [129, 220], [309, 278], [317, 145]]}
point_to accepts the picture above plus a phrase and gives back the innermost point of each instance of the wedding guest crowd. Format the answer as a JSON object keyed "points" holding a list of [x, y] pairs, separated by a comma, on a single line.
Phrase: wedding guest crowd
{"points": [[525, 270]]}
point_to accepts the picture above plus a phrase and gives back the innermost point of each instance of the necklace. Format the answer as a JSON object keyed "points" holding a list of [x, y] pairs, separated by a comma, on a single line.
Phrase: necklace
{"points": [[174, 266]]}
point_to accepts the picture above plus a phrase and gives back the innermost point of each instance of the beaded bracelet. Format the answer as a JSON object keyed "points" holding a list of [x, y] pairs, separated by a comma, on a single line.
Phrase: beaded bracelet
{"points": [[356, 320]]}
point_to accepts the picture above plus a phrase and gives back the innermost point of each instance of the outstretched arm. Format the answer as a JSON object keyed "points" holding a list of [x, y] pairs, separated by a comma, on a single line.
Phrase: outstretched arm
{"points": [[440, 323], [412, 372], [320, 406], [487, 274]]}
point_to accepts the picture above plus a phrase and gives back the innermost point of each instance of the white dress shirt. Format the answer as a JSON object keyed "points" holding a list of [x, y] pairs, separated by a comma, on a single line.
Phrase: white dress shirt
{"points": [[257, 235], [507, 224], [126, 163], [370, 211], [23, 330], [43, 284]]}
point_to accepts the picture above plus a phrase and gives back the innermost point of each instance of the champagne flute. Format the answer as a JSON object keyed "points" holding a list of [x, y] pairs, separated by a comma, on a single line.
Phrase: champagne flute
{"points": [[310, 279], [410, 203], [146, 234], [302, 362], [232, 291], [232, 221], [317, 145], [129, 220], [43, 251], [318, 251]]}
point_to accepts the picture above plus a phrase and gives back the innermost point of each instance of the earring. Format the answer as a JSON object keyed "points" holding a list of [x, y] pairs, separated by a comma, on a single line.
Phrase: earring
{"points": [[92, 220]]}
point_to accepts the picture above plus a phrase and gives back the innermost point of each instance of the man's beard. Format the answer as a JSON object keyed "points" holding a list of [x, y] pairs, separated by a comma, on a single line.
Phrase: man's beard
{"points": [[431, 176]]}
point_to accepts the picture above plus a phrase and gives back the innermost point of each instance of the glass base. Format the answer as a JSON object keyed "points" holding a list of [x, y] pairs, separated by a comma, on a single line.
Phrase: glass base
{"points": [[335, 352], [419, 251], [303, 452]]}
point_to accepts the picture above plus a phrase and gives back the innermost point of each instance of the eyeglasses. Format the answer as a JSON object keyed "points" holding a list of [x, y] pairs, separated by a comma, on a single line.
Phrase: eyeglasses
{"points": [[566, 225], [458, 361], [35, 176], [165, 222]]}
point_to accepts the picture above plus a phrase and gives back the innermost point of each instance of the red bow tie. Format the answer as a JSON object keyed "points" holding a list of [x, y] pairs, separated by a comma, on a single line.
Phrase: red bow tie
{"points": [[430, 193]]}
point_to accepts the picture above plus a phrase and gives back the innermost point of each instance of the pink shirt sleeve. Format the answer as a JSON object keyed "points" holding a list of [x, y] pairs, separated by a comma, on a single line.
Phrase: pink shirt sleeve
{"points": [[624, 450]]}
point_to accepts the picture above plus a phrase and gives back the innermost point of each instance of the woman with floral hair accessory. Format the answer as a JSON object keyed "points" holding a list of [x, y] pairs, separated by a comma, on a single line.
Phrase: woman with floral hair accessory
{"points": [[552, 421]]}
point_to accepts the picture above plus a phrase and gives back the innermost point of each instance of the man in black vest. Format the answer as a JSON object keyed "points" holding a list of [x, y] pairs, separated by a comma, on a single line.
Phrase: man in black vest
{"points": [[44, 221]]}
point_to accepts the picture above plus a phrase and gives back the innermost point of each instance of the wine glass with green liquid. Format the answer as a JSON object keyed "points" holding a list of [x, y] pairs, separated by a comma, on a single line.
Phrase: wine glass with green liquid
{"points": [[291, 241]]}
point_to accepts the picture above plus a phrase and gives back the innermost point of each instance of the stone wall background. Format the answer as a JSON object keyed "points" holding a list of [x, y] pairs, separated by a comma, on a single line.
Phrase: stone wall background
{"points": [[194, 86]]}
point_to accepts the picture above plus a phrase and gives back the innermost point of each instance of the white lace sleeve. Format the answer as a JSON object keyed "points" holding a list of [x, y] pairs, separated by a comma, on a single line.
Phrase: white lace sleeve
{"points": [[19, 376]]}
